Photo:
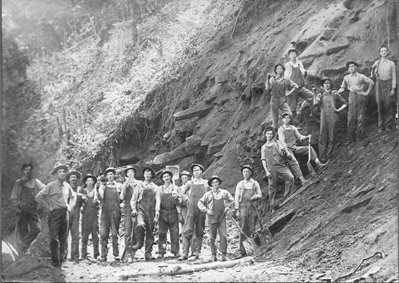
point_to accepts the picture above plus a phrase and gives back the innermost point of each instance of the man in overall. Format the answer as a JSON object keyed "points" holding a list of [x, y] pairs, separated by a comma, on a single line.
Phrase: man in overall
{"points": [[295, 71], [195, 221], [328, 101], [55, 196], [109, 194], [145, 205], [216, 204], [23, 202], [247, 191], [384, 70], [354, 82], [130, 223], [275, 166], [289, 134], [89, 212], [280, 88], [168, 215], [74, 217]]}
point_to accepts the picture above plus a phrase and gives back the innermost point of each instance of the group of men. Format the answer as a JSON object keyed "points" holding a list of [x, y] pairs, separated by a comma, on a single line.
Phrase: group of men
{"points": [[144, 205]]}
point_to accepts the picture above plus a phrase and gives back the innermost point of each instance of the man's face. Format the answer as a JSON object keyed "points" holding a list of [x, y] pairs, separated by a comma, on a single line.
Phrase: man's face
{"points": [[110, 176], [327, 85], [292, 55], [269, 135], [197, 171], [89, 182], [352, 68], [147, 175], [61, 174], [27, 172], [166, 177], [73, 179], [215, 184], [286, 119], [184, 179], [246, 173], [130, 173], [384, 51], [279, 70]]}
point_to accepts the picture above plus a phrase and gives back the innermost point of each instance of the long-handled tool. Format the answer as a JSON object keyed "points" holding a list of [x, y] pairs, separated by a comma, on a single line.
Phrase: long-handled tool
{"points": [[262, 236], [249, 243], [308, 164]]}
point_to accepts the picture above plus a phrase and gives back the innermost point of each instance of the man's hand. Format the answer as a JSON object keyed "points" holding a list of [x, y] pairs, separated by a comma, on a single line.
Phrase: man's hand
{"points": [[181, 219], [156, 219], [210, 212], [361, 92], [134, 213], [392, 93], [255, 197], [175, 195], [238, 214], [228, 212], [268, 174]]}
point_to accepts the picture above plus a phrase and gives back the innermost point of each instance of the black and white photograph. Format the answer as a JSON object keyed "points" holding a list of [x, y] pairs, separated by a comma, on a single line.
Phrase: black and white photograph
{"points": [[199, 141]]}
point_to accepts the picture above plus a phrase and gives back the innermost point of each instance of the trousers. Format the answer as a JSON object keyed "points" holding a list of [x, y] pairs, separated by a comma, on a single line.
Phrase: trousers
{"points": [[385, 103], [58, 232]]}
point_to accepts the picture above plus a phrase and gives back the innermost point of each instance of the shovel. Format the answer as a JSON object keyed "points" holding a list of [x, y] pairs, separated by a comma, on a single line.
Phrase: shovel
{"points": [[249, 243], [310, 167], [261, 236]]}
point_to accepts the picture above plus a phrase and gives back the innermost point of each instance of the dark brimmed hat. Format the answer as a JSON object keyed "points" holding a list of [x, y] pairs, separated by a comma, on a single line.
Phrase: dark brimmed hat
{"points": [[130, 167], [293, 50], [352, 62], [163, 172], [149, 169], [73, 172], [214, 178], [109, 169], [184, 172], [247, 166], [58, 166], [323, 80], [87, 176], [103, 179], [279, 64], [285, 114], [199, 165]]}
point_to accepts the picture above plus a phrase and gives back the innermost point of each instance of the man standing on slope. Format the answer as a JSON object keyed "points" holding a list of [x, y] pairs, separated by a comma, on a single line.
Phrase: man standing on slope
{"points": [[385, 72], [295, 71], [247, 191], [354, 82], [195, 221], [55, 196], [145, 205]]}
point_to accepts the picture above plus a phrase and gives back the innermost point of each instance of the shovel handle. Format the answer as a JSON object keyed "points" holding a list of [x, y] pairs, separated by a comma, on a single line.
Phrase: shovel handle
{"points": [[239, 228]]}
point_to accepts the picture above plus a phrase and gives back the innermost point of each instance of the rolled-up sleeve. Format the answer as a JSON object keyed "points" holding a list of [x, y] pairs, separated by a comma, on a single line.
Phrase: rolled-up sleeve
{"points": [[203, 203], [237, 196]]}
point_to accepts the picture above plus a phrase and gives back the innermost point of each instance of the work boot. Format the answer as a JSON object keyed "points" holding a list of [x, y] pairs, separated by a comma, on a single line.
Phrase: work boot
{"points": [[117, 258], [214, 258], [223, 257], [140, 238], [177, 255], [183, 257], [132, 254], [150, 257], [197, 255]]}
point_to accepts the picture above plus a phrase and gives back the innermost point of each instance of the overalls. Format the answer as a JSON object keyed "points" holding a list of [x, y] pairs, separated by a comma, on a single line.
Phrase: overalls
{"points": [[73, 228], [304, 93], [290, 140], [278, 100], [356, 112], [168, 220], [110, 220], [195, 221], [90, 224], [328, 119], [127, 217], [248, 216], [217, 224], [145, 221]]}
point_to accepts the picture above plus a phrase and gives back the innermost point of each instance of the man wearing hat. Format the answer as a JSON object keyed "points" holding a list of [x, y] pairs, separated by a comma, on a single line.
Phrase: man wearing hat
{"points": [[74, 217], [288, 135], [216, 203], [384, 70], [195, 221], [128, 188], [295, 71], [168, 214], [23, 202], [247, 191], [275, 166], [110, 213], [329, 101], [55, 196], [145, 205], [280, 88], [354, 82], [89, 212]]}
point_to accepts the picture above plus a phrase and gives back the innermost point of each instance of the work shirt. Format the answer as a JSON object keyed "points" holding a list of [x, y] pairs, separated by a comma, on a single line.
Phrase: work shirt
{"points": [[206, 201], [289, 70], [251, 184], [109, 184], [128, 189], [186, 189], [137, 195], [271, 153], [281, 86], [57, 195], [288, 135], [25, 200], [355, 82], [386, 70]]}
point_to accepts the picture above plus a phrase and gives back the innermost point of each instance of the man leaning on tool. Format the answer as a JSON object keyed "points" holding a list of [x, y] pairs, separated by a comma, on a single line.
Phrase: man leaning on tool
{"points": [[247, 191], [55, 196], [145, 205], [23, 202]]}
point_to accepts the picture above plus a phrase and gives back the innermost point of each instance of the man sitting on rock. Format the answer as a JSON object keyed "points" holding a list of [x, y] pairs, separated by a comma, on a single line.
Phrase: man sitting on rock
{"points": [[247, 191], [289, 134], [145, 205], [216, 203]]}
